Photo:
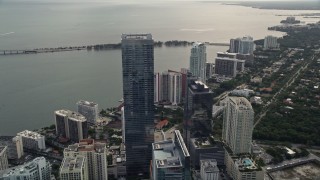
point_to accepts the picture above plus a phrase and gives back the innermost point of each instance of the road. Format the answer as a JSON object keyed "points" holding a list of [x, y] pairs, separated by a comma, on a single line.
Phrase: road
{"points": [[288, 84]]}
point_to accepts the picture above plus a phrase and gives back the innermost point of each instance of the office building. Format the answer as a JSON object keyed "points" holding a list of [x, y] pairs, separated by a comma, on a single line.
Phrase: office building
{"points": [[95, 154], [89, 110], [37, 169], [198, 59], [271, 42], [228, 65], [237, 129], [3, 158], [204, 148], [244, 45], [168, 87], [138, 95], [71, 125], [14, 144], [74, 168], [170, 159], [32, 140], [197, 111], [209, 169], [241, 167]]}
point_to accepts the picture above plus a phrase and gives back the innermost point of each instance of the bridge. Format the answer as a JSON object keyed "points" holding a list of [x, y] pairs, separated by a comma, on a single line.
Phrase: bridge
{"points": [[14, 52]]}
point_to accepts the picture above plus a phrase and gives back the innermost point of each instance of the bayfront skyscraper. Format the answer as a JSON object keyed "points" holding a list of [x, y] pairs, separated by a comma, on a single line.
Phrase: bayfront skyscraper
{"points": [[198, 59], [138, 95]]}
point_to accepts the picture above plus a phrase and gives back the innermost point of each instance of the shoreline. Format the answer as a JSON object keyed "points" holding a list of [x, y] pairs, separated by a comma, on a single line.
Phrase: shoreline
{"points": [[102, 47]]}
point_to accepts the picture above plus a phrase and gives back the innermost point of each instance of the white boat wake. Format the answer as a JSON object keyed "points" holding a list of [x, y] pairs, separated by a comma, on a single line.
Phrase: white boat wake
{"points": [[5, 34]]}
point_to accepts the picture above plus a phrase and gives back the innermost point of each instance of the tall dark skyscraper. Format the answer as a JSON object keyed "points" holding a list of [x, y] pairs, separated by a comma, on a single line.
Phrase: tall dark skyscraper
{"points": [[138, 95]]}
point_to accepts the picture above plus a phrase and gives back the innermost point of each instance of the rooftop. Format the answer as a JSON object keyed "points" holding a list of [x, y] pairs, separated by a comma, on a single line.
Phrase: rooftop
{"points": [[245, 164], [87, 145], [167, 154], [209, 165], [197, 44], [30, 134], [199, 87], [30, 166], [241, 102], [87, 103], [73, 163], [71, 114], [137, 36]]}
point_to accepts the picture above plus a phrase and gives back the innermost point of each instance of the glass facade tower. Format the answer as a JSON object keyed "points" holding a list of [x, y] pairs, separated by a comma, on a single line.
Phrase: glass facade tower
{"points": [[138, 95]]}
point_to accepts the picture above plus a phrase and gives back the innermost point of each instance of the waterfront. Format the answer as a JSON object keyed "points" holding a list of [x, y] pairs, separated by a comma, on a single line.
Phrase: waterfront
{"points": [[33, 86]]}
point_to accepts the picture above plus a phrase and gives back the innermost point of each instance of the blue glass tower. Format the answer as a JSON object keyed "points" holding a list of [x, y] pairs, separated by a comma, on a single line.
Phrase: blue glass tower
{"points": [[138, 95]]}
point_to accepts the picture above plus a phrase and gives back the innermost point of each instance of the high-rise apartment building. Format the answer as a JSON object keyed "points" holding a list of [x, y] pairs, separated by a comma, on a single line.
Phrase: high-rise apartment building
{"points": [[71, 125], [237, 129], [198, 59], [270, 42], [228, 65], [168, 87], [3, 158], [170, 159], [89, 110], [247, 45], [95, 154], [234, 45], [37, 169], [138, 95], [197, 110], [209, 70], [244, 45], [14, 144], [32, 140], [74, 168]]}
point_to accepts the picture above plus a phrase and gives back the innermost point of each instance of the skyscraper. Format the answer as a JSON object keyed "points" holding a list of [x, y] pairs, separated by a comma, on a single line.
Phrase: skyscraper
{"points": [[74, 168], [244, 45], [228, 65], [198, 59], [197, 111], [3, 158], [138, 95], [237, 129]]}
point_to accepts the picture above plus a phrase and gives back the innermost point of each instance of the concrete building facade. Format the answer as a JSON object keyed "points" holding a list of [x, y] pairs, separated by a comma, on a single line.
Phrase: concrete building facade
{"points": [[14, 144], [32, 140], [89, 110], [227, 64], [3, 158], [198, 59], [71, 125], [74, 168], [37, 169], [270, 42], [237, 128], [170, 159], [209, 169], [95, 154], [138, 95]]}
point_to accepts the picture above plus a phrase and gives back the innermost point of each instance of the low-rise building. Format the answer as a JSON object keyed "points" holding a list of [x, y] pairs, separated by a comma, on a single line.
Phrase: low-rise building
{"points": [[37, 169], [170, 159], [242, 167], [256, 100], [14, 144], [74, 168], [32, 140], [209, 169], [3, 158]]}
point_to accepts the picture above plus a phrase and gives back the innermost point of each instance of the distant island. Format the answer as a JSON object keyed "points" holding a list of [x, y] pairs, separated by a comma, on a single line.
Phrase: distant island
{"points": [[290, 20], [280, 5]]}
